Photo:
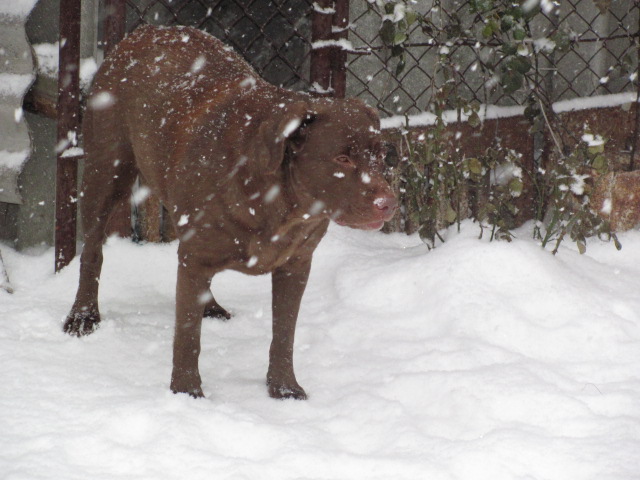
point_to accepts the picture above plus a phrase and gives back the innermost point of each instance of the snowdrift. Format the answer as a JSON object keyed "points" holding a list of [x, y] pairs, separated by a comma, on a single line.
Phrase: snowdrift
{"points": [[476, 360]]}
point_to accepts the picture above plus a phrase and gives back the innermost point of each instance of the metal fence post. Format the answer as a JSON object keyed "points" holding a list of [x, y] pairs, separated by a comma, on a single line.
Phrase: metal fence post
{"points": [[67, 133]]}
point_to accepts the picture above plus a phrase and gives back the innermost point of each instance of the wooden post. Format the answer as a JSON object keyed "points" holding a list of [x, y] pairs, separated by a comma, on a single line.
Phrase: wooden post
{"points": [[328, 64], [339, 56], [67, 133]]}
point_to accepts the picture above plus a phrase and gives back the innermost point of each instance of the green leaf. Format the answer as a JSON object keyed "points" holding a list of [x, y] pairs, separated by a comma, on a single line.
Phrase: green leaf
{"points": [[506, 23], [487, 31], [562, 41], [531, 112], [515, 11], [582, 247], [397, 50], [519, 34], [475, 166], [427, 28], [519, 64], [511, 81], [515, 187], [399, 38], [599, 164], [400, 66], [509, 49], [411, 17], [495, 26], [387, 32], [474, 120], [594, 149], [478, 6]]}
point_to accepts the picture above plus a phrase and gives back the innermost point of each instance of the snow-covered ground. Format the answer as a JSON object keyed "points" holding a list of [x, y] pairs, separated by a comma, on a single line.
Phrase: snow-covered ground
{"points": [[474, 361]]}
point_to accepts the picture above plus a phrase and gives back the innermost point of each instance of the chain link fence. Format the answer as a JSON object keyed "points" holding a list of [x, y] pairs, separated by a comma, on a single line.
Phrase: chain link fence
{"points": [[596, 46], [273, 36], [581, 47]]}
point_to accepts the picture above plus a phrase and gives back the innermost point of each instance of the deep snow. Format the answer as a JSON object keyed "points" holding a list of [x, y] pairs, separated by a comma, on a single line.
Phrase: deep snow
{"points": [[476, 360]]}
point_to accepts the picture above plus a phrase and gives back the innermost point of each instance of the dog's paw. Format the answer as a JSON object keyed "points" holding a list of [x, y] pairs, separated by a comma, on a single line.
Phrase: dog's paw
{"points": [[81, 323], [216, 312], [187, 383], [195, 392], [282, 391]]}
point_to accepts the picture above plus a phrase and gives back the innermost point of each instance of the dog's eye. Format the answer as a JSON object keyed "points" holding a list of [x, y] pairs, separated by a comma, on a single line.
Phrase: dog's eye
{"points": [[343, 160]]}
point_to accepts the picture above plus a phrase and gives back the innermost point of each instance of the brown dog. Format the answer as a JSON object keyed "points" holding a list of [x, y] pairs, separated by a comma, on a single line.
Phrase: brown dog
{"points": [[250, 175]]}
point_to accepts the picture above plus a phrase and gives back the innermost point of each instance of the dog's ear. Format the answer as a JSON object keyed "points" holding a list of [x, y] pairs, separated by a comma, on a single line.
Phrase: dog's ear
{"points": [[285, 127]]}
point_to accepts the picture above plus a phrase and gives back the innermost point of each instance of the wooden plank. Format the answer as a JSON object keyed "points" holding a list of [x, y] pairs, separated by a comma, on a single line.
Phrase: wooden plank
{"points": [[320, 68]]}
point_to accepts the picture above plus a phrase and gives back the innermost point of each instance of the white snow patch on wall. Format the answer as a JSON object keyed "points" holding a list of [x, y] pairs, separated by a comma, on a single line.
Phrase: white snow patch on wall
{"points": [[47, 55], [597, 101], [14, 84], [486, 112], [17, 8], [17, 76], [13, 160]]}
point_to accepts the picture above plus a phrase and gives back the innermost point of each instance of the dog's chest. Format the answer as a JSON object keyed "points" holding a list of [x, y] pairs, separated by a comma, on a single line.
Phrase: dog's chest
{"points": [[266, 252]]}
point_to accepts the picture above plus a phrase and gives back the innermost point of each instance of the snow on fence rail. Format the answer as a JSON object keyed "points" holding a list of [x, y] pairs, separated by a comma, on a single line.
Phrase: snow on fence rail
{"points": [[492, 112]]}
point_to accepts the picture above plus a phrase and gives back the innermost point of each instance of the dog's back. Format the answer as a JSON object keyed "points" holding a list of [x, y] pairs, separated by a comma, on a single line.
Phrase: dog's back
{"points": [[147, 94], [178, 65]]}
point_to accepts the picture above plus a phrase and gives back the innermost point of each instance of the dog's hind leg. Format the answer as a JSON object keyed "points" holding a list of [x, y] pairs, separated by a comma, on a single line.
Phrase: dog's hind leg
{"points": [[107, 180]]}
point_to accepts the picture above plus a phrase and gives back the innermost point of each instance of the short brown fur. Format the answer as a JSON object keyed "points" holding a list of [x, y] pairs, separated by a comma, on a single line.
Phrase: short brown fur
{"points": [[251, 175]]}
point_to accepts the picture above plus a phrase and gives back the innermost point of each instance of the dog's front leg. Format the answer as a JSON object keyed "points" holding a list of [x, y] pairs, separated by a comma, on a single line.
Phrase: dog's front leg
{"points": [[193, 282], [288, 284]]}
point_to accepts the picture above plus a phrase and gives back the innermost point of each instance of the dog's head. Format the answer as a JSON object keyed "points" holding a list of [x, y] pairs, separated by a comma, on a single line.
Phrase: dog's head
{"points": [[332, 153]]}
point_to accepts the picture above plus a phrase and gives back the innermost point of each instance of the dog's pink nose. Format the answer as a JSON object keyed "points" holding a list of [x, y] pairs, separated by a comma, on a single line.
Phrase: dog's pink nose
{"points": [[386, 204]]}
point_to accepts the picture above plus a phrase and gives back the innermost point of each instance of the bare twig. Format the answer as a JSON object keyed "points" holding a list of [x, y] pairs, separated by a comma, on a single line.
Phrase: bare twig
{"points": [[636, 131], [4, 278], [553, 135]]}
